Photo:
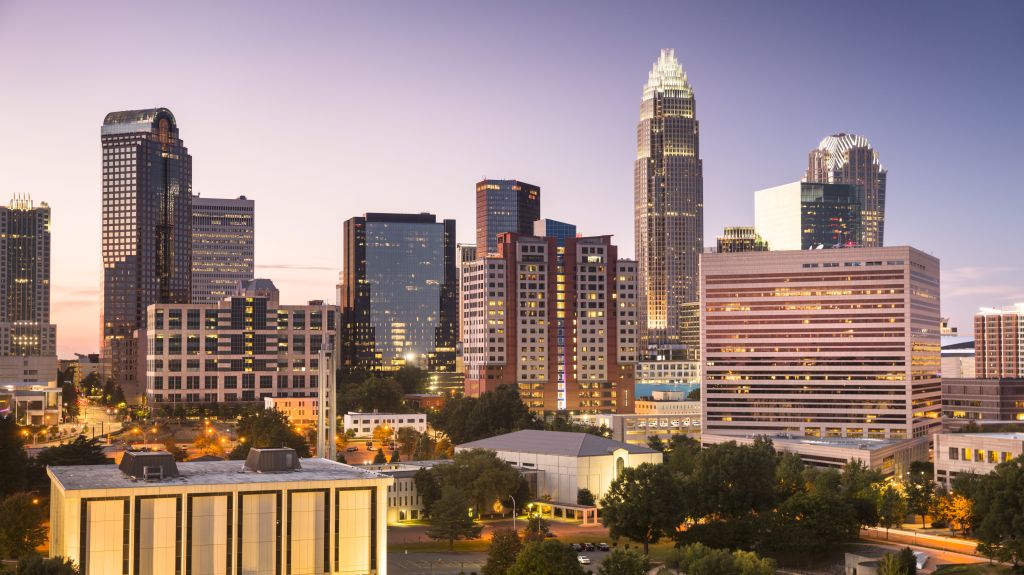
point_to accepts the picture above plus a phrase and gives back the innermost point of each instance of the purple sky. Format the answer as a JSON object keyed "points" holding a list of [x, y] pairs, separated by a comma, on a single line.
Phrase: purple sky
{"points": [[328, 110]]}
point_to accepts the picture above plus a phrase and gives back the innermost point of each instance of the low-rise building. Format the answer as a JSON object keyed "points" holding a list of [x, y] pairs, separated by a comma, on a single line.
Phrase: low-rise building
{"points": [[663, 415], [31, 403], [404, 502], [981, 400], [299, 410], [363, 424], [978, 453], [274, 513]]}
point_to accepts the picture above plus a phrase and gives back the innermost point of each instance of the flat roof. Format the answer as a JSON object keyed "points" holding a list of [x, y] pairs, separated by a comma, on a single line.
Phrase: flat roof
{"points": [[554, 443], [88, 477], [992, 435]]}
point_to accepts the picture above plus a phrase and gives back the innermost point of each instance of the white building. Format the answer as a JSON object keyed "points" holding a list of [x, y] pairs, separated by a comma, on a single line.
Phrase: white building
{"points": [[364, 423], [667, 372], [664, 415], [566, 462], [273, 514], [404, 502], [978, 453]]}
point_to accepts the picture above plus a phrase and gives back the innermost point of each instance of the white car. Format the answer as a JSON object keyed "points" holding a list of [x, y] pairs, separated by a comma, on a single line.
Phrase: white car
{"points": [[920, 558], [583, 559]]}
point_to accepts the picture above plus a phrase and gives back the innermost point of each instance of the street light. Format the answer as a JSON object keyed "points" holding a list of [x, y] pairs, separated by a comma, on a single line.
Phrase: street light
{"points": [[513, 513]]}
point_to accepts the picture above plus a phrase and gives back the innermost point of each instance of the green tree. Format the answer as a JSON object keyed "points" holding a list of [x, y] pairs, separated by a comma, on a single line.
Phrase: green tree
{"points": [[14, 463], [411, 379], [625, 562], [36, 565], [856, 485], [408, 439], [79, 451], [395, 457], [638, 504], [902, 563], [380, 458], [22, 529], [694, 394], [808, 525], [920, 493], [376, 393], [465, 419], [682, 454], [699, 559], [731, 481], [656, 443], [789, 475], [425, 447], [585, 497], [69, 396], [999, 512], [892, 505], [451, 518], [481, 475], [428, 487], [91, 384], [267, 428], [501, 554], [536, 529], [546, 558]]}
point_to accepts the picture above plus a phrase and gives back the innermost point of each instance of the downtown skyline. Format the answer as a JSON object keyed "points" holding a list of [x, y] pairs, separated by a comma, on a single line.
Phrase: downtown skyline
{"points": [[319, 162]]}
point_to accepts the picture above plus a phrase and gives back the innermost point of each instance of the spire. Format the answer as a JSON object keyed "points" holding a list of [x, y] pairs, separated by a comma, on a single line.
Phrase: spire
{"points": [[667, 74], [836, 147]]}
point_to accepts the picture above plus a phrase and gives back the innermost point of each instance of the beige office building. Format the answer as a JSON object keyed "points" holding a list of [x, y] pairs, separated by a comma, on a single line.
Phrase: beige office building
{"points": [[272, 514], [977, 453], [840, 343]]}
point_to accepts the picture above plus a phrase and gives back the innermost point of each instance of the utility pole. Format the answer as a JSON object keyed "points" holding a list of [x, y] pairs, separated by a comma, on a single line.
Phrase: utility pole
{"points": [[327, 419]]}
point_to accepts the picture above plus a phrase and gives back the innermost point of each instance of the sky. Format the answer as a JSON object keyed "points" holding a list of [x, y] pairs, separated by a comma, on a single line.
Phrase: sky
{"points": [[321, 111]]}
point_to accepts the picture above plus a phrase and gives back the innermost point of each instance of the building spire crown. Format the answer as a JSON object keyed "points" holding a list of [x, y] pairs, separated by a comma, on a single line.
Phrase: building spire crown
{"points": [[667, 75], [837, 147]]}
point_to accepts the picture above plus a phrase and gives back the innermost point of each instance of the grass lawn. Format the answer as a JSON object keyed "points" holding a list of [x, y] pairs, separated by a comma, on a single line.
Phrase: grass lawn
{"points": [[979, 569]]}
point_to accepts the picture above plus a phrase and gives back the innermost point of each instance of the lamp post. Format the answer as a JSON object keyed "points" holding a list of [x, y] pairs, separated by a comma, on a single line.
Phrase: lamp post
{"points": [[513, 513]]}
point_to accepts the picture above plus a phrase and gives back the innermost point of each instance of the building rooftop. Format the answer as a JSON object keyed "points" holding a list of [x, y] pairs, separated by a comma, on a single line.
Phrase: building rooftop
{"points": [[993, 435], [88, 477], [554, 443]]}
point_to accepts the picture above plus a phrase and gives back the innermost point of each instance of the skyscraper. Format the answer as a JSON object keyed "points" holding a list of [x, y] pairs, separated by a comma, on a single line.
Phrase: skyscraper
{"points": [[398, 293], [504, 206], [668, 201], [222, 246], [25, 328], [807, 215], [548, 228], [850, 159], [740, 239], [147, 231], [999, 342]]}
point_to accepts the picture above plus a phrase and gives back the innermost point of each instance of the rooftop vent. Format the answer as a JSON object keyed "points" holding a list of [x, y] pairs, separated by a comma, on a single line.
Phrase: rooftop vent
{"points": [[148, 465], [271, 460]]}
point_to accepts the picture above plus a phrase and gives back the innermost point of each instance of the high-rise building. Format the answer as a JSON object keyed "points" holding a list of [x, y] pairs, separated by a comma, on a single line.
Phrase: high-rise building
{"points": [[25, 328], [548, 228], [504, 206], [668, 201], [467, 254], [806, 215], [558, 322], [821, 344], [398, 293], [740, 239], [223, 246], [999, 342], [147, 231], [850, 159]]}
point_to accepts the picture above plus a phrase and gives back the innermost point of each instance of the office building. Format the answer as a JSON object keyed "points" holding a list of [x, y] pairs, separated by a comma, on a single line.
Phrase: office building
{"points": [[668, 201], [548, 228], [821, 344], [398, 293], [466, 255], [957, 358], [850, 159], [273, 513], [973, 453], [981, 400], [147, 232], [558, 322], [223, 246], [245, 348], [299, 410], [803, 215], [999, 342], [740, 239], [363, 424], [504, 206], [81, 367]]}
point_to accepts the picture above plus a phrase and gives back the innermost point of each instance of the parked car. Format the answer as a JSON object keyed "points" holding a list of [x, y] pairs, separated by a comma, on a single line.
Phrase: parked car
{"points": [[369, 444], [588, 546], [576, 547], [920, 558], [351, 449], [583, 559], [603, 547]]}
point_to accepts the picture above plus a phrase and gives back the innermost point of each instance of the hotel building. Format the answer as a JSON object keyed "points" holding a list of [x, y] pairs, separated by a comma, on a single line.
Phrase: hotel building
{"points": [[999, 342]]}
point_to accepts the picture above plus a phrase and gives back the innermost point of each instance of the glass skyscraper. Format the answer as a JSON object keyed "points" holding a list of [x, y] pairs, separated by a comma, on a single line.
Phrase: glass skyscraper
{"points": [[147, 231], [25, 328], [504, 206], [398, 292], [222, 246], [808, 215], [850, 159], [668, 201]]}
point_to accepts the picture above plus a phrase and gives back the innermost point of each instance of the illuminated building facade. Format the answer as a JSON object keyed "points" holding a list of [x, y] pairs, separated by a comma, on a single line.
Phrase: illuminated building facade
{"points": [[25, 328], [821, 343], [147, 231], [398, 293], [548, 228], [850, 159], [999, 342], [740, 239], [668, 201], [806, 215], [504, 206], [559, 322], [223, 246]]}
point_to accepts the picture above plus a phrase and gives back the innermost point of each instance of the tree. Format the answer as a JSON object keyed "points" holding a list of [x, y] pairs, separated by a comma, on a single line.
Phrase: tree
{"points": [[376, 393], [35, 565], [408, 440], [699, 559], [638, 504], [656, 443], [69, 395], [380, 458], [625, 562], [171, 447], [546, 558], [536, 529], [411, 379], [395, 457], [584, 497], [428, 487], [14, 463], [920, 493], [902, 563], [208, 443], [382, 434], [998, 512], [856, 485], [501, 555], [22, 529], [451, 518], [955, 510], [480, 475], [267, 428], [731, 481], [79, 451], [425, 447], [789, 475], [808, 525], [694, 394], [892, 505], [682, 454], [465, 419]]}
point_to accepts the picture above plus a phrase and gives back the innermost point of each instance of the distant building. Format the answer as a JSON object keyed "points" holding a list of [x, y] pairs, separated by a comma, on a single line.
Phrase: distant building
{"points": [[892, 457], [404, 501], [740, 239], [999, 342], [466, 255], [223, 246], [664, 416], [548, 228], [666, 373], [363, 424], [957, 358], [504, 206], [807, 215], [850, 159], [81, 366], [981, 400], [977, 453], [945, 329], [298, 410], [273, 513]]}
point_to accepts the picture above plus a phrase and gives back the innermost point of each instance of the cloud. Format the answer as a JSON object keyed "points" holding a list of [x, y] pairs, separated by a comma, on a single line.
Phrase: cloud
{"points": [[970, 273]]}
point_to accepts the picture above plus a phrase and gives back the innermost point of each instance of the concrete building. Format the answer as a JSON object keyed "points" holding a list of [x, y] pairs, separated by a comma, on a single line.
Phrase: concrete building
{"points": [[245, 348], [504, 206], [981, 400], [999, 342], [559, 322], [30, 403], [821, 344], [958, 358], [566, 462], [81, 366], [223, 246], [890, 456], [807, 215], [850, 159], [365, 423], [548, 228], [467, 255], [404, 501], [272, 514], [662, 373], [298, 410], [663, 419], [977, 453]]}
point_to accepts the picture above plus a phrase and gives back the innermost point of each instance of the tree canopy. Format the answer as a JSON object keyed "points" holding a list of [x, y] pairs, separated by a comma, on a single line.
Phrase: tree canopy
{"points": [[546, 558], [22, 529], [625, 562], [36, 565], [451, 518], [14, 463], [479, 474], [79, 451], [501, 555], [637, 504], [465, 419], [267, 428], [999, 508]]}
